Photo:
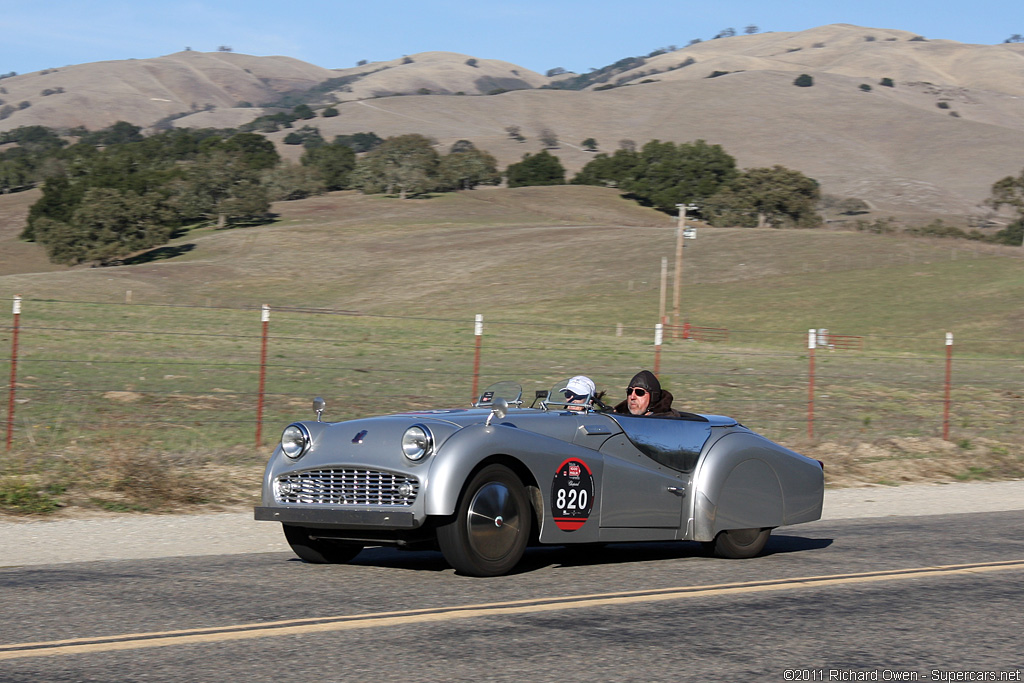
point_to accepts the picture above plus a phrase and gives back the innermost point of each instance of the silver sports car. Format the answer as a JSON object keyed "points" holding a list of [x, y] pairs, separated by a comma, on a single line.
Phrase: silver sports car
{"points": [[481, 483]]}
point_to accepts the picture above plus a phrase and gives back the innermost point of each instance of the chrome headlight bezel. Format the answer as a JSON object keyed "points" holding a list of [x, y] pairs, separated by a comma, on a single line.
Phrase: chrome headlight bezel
{"points": [[417, 443], [295, 440]]}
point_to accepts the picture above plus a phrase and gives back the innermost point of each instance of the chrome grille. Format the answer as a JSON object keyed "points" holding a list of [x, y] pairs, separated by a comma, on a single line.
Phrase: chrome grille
{"points": [[336, 486]]}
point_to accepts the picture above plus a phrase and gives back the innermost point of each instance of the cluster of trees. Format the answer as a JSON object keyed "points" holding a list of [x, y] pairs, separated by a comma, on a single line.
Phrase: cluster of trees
{"points": [[664, 174], [24, 163], [408, 165], [99, 204], [114, 192]]}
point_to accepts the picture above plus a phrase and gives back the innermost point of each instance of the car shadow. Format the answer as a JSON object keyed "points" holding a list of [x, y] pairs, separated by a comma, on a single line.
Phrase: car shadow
{"points": [[584, 555]]}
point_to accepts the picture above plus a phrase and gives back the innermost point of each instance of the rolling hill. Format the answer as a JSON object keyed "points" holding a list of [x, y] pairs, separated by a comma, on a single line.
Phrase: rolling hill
{"points": [[930, 146]]}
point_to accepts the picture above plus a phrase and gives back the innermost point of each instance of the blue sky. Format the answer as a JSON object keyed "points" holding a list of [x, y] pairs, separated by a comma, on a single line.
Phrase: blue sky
{"points": [[538, 34]]}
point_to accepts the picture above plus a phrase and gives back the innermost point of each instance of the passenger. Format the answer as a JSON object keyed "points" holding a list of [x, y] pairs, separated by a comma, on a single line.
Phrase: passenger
{"points": [[579, 392], [646, 398]]}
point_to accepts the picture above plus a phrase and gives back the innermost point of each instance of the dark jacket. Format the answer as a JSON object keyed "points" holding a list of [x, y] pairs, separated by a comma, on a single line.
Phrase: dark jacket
{"points": [[660, 408]]}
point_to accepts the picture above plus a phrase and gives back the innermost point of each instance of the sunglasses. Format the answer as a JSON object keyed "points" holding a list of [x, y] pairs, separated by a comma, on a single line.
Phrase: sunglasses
{"points": [[571, 396], [636, 390]]}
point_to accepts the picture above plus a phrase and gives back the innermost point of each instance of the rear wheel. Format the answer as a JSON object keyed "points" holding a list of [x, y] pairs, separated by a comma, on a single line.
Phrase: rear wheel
{"points": [[319, 550], [739, 544], [490, 529]]}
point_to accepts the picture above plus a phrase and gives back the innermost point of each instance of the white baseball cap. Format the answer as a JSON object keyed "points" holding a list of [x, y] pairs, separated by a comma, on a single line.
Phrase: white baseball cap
{"points": [[581, 385]]}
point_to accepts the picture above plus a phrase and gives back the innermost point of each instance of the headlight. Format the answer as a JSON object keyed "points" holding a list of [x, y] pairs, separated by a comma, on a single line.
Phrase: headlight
{"points": [[417, 442], [294, 440]]}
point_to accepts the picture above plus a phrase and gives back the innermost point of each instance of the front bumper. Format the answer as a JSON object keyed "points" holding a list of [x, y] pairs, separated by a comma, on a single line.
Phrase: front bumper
{"points": [[337, 519]]}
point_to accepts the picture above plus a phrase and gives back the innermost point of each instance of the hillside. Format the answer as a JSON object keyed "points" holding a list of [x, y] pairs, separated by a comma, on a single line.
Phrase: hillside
{"points": [[930, 146], [575, 253]]}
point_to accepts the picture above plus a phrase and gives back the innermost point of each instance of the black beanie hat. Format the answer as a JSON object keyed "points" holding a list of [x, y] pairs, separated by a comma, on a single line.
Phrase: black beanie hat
{"points": [[645, 379]]}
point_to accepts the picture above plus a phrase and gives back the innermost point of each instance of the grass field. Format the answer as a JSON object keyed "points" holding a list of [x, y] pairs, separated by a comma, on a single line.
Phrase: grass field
{"points": [[152, 404]]}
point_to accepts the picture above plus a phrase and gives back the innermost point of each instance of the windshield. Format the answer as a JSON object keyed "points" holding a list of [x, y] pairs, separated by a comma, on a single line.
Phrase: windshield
{"points": [[512, 392]]}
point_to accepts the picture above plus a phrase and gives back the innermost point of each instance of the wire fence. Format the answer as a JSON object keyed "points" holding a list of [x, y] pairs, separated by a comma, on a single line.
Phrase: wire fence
{"points": [[188, 378]]}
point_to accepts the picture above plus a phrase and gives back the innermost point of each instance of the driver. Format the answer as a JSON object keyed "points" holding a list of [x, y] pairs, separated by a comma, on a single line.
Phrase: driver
{"points": [[579, 392], [646, 398]]}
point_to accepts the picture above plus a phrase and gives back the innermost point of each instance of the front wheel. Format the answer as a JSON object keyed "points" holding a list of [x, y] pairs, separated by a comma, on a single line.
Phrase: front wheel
{"points": [[737, 544], [319, 550], [490, 529]]}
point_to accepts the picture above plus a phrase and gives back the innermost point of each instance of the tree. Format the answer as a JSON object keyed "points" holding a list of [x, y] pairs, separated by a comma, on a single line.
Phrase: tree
{"points": [[108, 225], [255, 151], [303, 111], [220, 186], [406, 163], [549, 139], [852, 205], [589, 145], [663, 174], [542, 168], [514, 133], [359, 142], [461, 146], [1015, 38], [751, 29], [465, 169], [803, 81], [887, 82], [1010, 192], [291, 181], [329, 112], [609, 171], [331, 163], [758, 197]]}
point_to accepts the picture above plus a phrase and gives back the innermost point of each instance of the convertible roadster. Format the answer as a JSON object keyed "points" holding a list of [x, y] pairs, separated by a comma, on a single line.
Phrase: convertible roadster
{"points": [[481, 483]]}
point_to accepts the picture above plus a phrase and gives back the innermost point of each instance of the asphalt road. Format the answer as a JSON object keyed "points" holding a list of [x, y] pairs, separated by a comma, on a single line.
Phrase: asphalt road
{"points": [[831, 600]]}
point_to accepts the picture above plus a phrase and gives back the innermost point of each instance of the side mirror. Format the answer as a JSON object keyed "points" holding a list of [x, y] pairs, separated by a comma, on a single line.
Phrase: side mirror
{"points": [[499, 409], [318, 406]]}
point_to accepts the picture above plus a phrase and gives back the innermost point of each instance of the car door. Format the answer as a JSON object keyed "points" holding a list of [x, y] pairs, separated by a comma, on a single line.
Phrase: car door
{"points": [[637, 492]]}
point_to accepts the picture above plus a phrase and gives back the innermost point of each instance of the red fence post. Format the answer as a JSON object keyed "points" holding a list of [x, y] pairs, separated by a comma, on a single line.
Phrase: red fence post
{"points": [[949, 378], [14, 370], [265, 317], [478, 331], [812, 336], [658, 332]]}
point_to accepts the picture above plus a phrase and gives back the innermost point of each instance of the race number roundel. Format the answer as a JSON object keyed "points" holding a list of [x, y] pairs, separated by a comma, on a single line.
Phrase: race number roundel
{"points": [[572, 495]]}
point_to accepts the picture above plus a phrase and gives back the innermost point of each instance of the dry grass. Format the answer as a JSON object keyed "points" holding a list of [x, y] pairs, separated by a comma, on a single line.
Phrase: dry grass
{"points": [[168, 408], [912, 460]]}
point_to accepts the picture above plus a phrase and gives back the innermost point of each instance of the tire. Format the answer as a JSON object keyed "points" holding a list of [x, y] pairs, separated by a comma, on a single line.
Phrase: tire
{"points": [[738, 544], [491, 527], [318, 550]]}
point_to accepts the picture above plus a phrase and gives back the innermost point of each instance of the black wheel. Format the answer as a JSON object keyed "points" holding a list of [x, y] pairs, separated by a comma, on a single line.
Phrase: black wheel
{"points": [[319, 550], [737, 544], [491, 526]]}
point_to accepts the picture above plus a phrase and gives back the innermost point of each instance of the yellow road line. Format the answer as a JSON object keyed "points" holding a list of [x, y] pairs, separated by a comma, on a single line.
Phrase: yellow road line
{"points": [[134, 641]]}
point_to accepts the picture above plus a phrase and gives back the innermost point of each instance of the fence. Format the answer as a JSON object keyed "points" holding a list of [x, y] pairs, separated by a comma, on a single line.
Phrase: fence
{"points": [[173, 378]]}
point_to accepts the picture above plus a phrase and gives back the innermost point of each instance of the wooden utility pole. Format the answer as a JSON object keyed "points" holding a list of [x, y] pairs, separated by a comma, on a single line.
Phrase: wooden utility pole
{"points": [[664, 283], [679, 268]]}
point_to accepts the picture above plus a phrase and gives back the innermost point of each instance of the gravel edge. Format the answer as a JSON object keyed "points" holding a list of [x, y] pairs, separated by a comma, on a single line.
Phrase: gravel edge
{"points": [[133, 537]]}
